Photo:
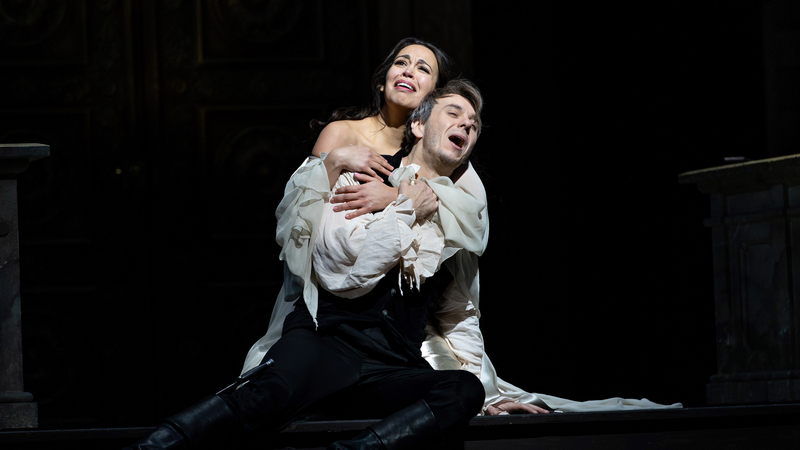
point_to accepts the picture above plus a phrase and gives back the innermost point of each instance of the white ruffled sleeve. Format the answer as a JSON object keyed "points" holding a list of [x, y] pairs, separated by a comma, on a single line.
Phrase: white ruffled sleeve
{"points": [[387, 238], [341, 266], [471, 183], [462, 216], [300, 212], [299, 215], [457, 333]]}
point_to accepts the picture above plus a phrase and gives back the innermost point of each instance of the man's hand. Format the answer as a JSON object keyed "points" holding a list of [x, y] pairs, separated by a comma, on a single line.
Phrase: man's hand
{"points": [[422, 197], [365, 198], [509, 407]]}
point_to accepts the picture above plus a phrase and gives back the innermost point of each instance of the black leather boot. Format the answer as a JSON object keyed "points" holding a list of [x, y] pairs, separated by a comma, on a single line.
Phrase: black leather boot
{"points": [[196, 427], [413, 427], [164, 437]]}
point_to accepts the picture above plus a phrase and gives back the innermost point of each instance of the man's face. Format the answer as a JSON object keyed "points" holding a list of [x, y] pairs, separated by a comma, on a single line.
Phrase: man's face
{"points": [[450, 132]]}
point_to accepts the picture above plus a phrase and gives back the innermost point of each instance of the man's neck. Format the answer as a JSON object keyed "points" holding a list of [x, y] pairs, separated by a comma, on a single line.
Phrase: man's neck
{"points": [[426, 168]]}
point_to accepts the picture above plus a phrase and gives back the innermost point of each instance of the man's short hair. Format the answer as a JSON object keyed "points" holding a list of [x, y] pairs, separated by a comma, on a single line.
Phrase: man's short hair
{"points": [[457, 86]]}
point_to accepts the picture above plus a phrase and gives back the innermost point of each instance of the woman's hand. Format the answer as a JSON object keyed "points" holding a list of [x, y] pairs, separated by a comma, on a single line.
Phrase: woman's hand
{"points": [[355, 158], [365, 198], [510, 407], [422, 197]]}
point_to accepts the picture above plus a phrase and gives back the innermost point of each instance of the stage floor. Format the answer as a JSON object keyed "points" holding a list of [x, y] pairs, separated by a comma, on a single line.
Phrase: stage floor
{"points": [[728, 427]]}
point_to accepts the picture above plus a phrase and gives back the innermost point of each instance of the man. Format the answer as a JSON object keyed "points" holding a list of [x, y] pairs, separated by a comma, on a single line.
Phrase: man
{"points": [[355, 350]]}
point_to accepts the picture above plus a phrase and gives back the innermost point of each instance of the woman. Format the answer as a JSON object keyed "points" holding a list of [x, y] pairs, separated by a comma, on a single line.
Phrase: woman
{"points": [[353, 140]]}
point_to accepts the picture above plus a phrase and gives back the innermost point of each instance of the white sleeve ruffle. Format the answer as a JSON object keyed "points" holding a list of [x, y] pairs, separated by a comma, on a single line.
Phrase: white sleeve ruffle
{"points": [[341, 266], [392, 236]]}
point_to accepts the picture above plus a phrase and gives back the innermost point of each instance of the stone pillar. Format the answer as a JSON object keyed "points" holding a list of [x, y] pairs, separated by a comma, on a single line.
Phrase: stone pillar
{"points": [[755, 240], [17, 408]]}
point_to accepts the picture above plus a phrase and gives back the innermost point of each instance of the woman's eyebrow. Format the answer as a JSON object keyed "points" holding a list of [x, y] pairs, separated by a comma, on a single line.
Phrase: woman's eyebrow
{"points": [[422, 61]]}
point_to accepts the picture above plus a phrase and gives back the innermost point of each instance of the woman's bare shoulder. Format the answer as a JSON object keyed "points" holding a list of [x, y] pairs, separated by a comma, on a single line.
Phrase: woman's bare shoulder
{"points": [[338, 134], [334, 135], [342, 129]]}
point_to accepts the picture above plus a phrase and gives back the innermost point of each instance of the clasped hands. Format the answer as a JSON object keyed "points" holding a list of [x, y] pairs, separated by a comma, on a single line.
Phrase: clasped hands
{"points": [[373, 195]]}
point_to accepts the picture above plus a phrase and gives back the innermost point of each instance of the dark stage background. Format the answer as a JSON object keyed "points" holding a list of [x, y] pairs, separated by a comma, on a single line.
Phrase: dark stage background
{"points": [[148, 260]]}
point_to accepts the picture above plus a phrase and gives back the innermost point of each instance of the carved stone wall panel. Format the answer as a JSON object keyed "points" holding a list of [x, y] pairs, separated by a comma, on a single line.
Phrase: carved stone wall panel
{"points": [[251, 152], [102, 77], [241, 31], [794, 308], [52, 30], [295, 91], [759, 272], [761, 200], [727, 326], [112, 98], [336, 71], [753, 227], [214, 86]]}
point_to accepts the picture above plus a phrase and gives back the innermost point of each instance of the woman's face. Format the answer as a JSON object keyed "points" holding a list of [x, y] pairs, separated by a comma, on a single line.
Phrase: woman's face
{"points": [[411, 77]]}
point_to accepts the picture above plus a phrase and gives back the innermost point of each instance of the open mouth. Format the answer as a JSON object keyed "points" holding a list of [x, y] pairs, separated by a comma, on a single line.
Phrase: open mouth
{"points": [[458, 140], [405, 86]]}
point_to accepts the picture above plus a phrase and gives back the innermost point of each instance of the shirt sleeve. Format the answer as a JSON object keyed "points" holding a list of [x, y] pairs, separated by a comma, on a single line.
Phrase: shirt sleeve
{"points": [[455, 342], [351, 256], [457, 323], [300, 213]]}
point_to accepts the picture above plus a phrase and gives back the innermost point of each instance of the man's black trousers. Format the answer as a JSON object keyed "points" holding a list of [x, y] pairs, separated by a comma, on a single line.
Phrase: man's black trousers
{"points": [[316, 373]]}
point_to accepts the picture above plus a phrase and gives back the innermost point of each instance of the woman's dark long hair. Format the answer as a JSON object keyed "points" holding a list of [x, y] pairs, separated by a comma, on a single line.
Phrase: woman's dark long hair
{"points": [[443, 62]]}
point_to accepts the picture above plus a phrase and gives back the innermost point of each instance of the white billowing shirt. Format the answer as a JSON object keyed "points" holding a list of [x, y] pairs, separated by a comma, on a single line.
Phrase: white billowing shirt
{"points": [[307, 222]]}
